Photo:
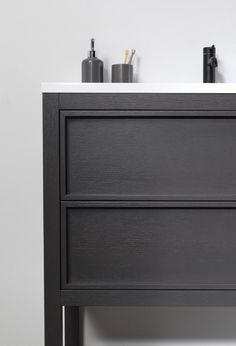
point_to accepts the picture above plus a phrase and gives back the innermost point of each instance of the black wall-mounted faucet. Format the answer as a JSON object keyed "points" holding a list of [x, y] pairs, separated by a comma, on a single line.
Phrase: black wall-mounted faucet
{"points": [[209, 64]]}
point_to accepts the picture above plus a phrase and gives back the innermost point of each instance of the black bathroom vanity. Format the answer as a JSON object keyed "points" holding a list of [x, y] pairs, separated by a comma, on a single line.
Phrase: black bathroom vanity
{"points": [[139, 199]]}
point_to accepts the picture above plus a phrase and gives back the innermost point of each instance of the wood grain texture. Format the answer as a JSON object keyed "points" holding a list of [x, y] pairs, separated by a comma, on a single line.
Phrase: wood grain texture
{"points": [[135, 155], [147, 190], [148, 247], [149, 297], [52, 251], [129, 101], [53, 311], [73, 326]]}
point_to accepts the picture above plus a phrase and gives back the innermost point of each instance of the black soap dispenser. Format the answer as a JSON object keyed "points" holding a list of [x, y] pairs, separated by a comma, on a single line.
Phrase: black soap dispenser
{"points": [[92, 67]]}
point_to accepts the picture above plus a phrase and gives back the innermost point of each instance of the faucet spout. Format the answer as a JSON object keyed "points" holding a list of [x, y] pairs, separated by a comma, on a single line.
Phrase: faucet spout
{"points": [[209, 64]]}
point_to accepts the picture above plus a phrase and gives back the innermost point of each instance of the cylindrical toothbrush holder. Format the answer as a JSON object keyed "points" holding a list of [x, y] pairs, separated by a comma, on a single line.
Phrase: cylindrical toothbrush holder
{"points": [[122, 73]]}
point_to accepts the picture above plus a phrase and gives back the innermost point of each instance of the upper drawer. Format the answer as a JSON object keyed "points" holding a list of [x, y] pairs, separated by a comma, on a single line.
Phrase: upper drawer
{"points": [[124, 155]]}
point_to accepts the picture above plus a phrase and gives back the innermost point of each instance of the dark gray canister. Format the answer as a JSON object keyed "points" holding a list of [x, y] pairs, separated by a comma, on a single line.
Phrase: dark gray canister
{"points": [[122, 73], [92, 67]]}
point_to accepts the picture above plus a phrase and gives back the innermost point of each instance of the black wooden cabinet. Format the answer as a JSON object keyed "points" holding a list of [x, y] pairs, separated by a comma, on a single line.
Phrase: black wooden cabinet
{"points": [[139, 203]]}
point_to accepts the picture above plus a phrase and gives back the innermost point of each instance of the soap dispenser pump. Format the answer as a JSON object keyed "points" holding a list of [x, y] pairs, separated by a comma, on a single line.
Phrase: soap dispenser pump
{"points": [[92, 67]]}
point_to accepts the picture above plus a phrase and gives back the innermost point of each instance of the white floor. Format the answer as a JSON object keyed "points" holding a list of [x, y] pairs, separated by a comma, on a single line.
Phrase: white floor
{"points": [[123, 326]]}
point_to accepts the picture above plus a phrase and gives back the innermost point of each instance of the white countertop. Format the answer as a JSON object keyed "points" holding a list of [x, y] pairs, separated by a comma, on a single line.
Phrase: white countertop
{"points": [[228, 88]]}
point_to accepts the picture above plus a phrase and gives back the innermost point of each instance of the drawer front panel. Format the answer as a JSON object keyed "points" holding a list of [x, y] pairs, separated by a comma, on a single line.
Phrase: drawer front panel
{"points": [[155, 247], [135, 155]]}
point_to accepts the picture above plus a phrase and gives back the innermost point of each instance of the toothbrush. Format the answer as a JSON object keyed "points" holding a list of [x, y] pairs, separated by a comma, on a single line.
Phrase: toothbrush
{"points": [[131, 56], [126, 56]]}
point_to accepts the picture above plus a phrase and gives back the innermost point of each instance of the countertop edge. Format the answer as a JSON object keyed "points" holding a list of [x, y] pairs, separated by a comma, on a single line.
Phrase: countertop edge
{"points": [[216, 88]]}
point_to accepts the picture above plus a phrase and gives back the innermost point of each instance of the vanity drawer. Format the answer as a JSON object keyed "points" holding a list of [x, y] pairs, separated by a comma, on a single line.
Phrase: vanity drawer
{"points": [[135, 245], [144, 155]]}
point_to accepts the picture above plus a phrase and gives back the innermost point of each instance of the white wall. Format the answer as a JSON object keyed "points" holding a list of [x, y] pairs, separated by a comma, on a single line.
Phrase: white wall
{"points": [[46, 41]]}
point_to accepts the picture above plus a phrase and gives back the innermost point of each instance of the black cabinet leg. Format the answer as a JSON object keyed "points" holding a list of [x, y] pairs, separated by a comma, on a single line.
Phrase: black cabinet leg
{"points": [[53, 325], [73, 326]]}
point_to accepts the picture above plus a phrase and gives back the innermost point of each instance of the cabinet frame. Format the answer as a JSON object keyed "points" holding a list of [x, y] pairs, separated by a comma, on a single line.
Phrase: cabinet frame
{"points": [[55, 296]]}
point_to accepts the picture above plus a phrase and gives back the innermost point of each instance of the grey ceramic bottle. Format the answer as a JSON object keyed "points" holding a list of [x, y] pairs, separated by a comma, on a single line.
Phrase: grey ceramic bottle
{"points": [[92, 67]]}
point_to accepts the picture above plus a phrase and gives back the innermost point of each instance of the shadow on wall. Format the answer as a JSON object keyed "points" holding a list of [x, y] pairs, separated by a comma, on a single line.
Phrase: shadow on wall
{"points": [[142, 325], [137, 70], [219, 74]]}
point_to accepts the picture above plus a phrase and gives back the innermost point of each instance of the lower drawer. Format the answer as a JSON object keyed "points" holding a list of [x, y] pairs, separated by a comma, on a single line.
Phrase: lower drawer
{"points": [[138, 246]]}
